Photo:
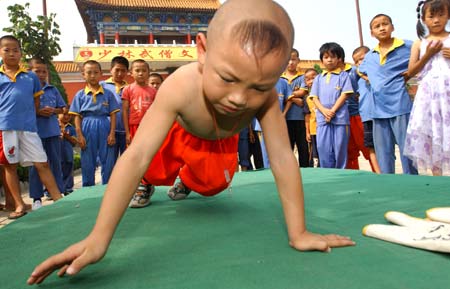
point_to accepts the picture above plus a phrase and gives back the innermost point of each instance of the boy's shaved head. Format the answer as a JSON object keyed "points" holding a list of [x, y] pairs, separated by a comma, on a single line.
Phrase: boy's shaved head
{"points": [[258, 26]]}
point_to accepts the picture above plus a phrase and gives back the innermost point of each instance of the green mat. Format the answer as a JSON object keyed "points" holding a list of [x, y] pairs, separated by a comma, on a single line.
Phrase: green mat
{"points": [[238, 240]]}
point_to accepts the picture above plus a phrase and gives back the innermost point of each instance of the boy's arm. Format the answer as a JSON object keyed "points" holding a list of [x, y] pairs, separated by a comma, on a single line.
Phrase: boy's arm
{"points": [[125, 110], [288, 179], [328, 113], [340, 101], [81, 140], [416, 63], [112, 129], [123, 182]]}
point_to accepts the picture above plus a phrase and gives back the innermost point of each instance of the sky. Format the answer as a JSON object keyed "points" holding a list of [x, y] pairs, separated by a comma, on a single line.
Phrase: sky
{"points": [[315, 22]]}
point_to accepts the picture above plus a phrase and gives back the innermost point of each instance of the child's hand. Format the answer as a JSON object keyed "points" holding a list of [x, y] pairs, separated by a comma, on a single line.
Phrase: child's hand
{"points": [[446, 52], [308, 241], [434, 46], [46, 111], [328, 113], [308, 137], [128, 138], [111, 139], [70, 261], [82, 142]]}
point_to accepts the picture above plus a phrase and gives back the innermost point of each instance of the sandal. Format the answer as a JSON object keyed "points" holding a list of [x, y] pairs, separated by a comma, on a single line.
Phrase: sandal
{"points": [[178, 192], [142, 196], [16, 215]]}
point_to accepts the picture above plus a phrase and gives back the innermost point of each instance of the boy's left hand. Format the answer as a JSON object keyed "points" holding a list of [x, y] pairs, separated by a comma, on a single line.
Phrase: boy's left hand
{"points": [[111, 139], [308, 241]]}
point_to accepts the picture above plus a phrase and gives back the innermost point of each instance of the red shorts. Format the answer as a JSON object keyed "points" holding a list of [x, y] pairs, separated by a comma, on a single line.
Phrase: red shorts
{"points": [[200, 163]]}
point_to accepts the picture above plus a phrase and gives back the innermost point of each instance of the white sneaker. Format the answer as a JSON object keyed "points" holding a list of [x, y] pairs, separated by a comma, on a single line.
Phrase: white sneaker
{"points": [[36, 205]]}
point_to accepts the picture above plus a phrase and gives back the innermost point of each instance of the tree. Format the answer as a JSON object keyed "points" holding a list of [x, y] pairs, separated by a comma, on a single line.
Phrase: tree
{"points": [[38, 38]]}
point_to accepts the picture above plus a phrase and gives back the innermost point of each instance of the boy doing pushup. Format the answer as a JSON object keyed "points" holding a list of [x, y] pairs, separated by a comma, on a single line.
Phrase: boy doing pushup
{"points": [[233, 81]]}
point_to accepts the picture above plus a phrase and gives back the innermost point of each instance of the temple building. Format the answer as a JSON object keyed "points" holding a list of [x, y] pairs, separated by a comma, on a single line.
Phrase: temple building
{"points": [[162, 32]]}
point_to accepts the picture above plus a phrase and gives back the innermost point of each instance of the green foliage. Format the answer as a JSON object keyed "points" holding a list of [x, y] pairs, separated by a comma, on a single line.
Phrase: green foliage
{"points": [[38, 38], [23, 173], [318, 68], [76, 161]]}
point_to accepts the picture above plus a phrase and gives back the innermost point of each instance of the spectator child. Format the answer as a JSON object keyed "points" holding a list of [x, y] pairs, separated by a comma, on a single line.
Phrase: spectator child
{"points": [[294, 110], [155, 80], [428, 135], [116, 84], [19, 141], [330, 91], [310, 119], [50, 105], [94, 109], [136, 100], [356, 138], [386, 68], [365, 103], [69, 141]]}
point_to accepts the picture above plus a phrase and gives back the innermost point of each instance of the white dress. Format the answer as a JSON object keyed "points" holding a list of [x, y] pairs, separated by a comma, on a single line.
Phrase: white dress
{"points": [[428, 135]]}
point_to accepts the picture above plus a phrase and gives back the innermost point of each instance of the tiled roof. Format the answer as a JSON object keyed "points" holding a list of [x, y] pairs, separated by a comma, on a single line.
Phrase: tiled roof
{"points": [[210, 5], [66, 66]]}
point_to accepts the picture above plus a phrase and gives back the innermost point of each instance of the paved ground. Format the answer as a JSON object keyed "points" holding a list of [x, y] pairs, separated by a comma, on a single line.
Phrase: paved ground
{"points": [[77, 184], [364, 165]]}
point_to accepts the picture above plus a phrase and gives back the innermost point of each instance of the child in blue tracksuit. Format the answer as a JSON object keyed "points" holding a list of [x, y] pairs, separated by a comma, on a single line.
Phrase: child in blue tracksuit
{"points": [[330, 91], [51, 104], [116, 83], [386, 66], [68, 141], [95, 111]]}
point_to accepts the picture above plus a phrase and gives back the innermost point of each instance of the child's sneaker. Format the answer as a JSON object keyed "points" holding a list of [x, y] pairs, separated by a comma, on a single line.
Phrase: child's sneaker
{"points": [[142, 196], [37, 204], [178, 192]]}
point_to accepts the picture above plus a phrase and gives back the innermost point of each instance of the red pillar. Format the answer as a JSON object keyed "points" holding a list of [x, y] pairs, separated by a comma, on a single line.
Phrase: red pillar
{"points": [[188, 38], [150, 38], [116, 37], [102, 37]]}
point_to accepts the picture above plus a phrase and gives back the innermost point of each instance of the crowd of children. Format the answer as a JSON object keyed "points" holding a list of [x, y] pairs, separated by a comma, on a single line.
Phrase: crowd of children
{"points": [[329, 116]]}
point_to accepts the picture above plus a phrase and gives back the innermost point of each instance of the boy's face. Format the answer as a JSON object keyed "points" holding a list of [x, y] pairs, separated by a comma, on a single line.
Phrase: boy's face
{"points": [[381, 28], [330, 61], [358, 57], [119, 72], [140, 73], [309, 77], [293, 62], [91, 73], [155, 81], [10, 52], [41, 71], [237, 82]]}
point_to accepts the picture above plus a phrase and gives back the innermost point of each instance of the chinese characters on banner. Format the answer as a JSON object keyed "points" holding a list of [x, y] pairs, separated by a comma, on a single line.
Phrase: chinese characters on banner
{"points": [[148, 53]]}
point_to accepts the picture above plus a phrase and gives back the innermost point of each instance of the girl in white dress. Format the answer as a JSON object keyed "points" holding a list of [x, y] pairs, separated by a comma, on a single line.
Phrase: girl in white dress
{"points": [[428, 135]]}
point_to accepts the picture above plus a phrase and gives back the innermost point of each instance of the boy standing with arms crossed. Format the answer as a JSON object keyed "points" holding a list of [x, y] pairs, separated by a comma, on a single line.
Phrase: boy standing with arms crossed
{"points": [[95, 111], [221, 93], [19, 141], [386, 67]]}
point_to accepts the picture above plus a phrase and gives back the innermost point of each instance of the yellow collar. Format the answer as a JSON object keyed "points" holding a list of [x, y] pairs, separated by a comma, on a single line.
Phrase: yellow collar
{"points": [[21, 69], [88, 90], [396, 44], [118, 86]]}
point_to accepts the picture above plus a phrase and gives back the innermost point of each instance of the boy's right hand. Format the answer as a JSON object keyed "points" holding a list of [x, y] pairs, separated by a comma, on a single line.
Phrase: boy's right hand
{"points": [[308, 241], [70, 261]]}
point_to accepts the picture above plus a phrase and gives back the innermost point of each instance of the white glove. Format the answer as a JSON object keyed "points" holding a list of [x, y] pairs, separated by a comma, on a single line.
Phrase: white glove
{"points": [[413, 232], [439, 214]]}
